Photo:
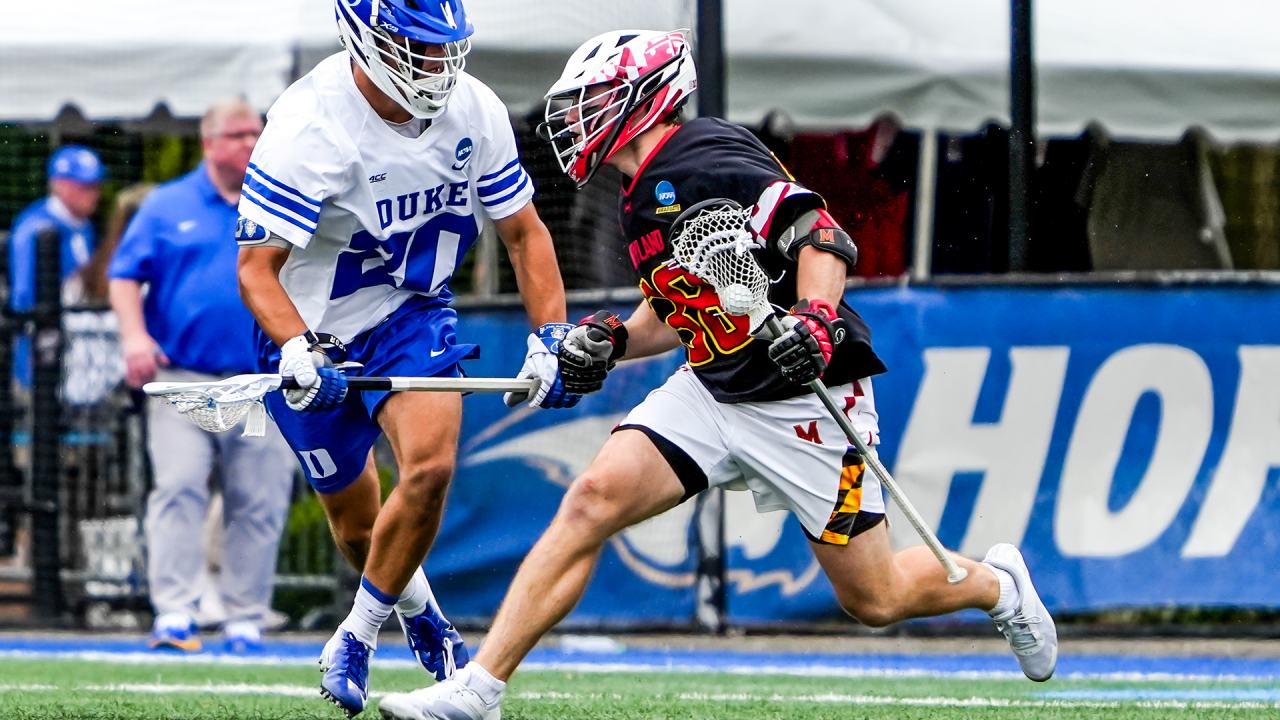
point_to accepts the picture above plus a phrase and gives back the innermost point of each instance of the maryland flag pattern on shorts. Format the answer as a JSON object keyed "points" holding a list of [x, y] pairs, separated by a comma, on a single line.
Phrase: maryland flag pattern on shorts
{"points": [[847, 519]]}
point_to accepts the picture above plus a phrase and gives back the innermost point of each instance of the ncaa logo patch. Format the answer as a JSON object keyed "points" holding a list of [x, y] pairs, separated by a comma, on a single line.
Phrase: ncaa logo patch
{"points": [[665, 192], [463, 153]]}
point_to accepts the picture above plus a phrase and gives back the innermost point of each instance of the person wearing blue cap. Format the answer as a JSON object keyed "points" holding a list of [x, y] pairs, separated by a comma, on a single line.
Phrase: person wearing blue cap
{"points": [[75, 183]]}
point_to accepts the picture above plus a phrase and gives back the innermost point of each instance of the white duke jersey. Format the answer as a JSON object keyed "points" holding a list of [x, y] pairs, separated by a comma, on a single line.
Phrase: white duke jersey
{"points": [[376, 217]]}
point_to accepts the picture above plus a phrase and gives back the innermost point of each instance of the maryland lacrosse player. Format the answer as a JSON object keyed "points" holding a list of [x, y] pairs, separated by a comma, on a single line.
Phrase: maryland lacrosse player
{"points": [[738, 413], [365, 192]]}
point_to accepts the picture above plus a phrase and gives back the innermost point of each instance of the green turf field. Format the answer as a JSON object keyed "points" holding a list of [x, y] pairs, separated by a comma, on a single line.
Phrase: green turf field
{"points": [[99, 690]]}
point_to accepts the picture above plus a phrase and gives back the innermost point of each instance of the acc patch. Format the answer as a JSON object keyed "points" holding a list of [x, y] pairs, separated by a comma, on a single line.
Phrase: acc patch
{"points": [[249, 231], [463, 153]]}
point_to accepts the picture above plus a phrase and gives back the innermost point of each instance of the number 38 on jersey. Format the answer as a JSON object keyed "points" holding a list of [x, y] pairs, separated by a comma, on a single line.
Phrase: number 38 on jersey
{"points": [[692, 308]]}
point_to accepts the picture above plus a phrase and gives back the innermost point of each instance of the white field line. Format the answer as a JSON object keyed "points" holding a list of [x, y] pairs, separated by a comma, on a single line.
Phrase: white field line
{"points": [[166, 658], [836, 671], [730, 668], [974, 701], [167, 689], [832, 698]]}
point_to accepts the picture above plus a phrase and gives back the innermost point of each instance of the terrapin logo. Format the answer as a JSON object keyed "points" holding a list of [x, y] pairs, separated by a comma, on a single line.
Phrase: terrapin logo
{"points": [[666, 194], [463, 153]]}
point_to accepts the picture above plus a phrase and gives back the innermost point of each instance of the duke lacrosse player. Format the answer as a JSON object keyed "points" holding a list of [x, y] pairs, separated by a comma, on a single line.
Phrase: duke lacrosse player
{"points": [[738, 413], [363, 195]]}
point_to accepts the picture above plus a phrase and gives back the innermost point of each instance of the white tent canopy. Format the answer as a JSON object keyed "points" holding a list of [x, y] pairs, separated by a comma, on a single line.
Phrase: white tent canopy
{"points": [[1140, 68]]}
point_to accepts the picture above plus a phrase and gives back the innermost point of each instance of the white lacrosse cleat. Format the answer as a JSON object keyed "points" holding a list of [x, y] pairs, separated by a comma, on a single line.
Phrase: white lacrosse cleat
{"points": [[448, 700], [1028, 627]]}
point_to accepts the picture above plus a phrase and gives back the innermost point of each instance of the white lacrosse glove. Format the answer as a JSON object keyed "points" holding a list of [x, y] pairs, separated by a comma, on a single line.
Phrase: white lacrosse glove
{"points": [[321, 387], [543, 363]]}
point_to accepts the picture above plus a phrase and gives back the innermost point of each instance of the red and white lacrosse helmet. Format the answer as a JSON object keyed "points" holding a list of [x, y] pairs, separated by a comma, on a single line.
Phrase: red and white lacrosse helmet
{"points": [[614, 87]]}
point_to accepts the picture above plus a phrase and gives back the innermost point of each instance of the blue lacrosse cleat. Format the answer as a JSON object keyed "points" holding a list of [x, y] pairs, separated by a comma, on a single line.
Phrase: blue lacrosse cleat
{"points": [[437, 645], [345, 663]]}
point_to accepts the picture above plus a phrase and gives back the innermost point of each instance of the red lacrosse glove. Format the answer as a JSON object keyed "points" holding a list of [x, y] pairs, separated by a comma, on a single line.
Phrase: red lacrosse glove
{"points": [[804, 350]]}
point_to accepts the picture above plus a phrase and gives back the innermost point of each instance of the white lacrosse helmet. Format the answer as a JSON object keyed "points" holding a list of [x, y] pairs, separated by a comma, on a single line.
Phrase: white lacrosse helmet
{"points": [[648, 74], [392, 41]]}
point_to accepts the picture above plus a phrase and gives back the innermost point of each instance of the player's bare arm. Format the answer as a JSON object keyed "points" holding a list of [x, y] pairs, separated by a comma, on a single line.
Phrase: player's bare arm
{"points": [[648, 335], [821, 276], [533, 257], [258, 269]]}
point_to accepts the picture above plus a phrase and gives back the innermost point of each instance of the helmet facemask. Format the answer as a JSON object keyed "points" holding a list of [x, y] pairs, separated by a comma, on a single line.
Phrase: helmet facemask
{"points": [[586, 129], [417, 75], [582, 127]]}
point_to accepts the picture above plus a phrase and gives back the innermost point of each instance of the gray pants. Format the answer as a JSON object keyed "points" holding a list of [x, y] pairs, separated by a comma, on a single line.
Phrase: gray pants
{"points": [[257, 477]]}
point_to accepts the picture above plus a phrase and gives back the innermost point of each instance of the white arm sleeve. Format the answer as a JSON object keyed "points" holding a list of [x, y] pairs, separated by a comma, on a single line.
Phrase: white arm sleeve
{"points": [[294, 167], [501, 182]]}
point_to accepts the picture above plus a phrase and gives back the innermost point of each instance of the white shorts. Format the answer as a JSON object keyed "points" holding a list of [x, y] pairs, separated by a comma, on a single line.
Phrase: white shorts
{"points": [[789, 453]]}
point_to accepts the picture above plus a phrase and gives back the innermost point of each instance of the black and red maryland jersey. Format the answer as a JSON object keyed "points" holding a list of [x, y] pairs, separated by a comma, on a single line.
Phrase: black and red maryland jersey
{"points": [[706, 159]]}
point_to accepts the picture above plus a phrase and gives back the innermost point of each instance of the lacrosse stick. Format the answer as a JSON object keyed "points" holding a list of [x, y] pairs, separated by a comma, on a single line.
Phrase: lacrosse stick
{"points": [[710, 242], [217, 406]]}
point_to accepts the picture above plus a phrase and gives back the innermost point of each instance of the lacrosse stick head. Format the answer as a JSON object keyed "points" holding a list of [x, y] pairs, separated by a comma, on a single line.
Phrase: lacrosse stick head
{"points": [[220, 405], [712, 242]]}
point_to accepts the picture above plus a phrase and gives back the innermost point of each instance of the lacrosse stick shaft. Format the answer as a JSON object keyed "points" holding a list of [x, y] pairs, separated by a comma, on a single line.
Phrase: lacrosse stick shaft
{"points": [[431, 384], [385, 384], [955, 573]]}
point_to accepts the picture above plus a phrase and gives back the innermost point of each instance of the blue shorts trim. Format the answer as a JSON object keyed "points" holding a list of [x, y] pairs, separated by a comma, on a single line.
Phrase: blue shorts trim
{"points": [[418, 340]]}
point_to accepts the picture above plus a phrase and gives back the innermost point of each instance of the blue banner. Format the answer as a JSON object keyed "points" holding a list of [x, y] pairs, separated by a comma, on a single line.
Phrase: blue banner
{"points": [[1127, 439]]}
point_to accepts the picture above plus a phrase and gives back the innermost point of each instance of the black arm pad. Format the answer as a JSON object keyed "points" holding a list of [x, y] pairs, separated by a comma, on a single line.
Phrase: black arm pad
{"points": [[832, 240]]}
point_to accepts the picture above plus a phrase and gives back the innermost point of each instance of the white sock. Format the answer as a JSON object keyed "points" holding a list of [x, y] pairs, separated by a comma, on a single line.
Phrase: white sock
{"points": [[417, 596], [372, 607], [488, 687], [1010, 598]]}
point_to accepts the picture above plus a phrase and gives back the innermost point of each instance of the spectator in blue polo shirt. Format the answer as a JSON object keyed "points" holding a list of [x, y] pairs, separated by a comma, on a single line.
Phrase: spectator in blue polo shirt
{"points": [[173, 286], [75, 178]]}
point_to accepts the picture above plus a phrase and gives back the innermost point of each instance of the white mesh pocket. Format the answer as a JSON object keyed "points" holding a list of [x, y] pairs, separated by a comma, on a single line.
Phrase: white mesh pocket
{"points": [[210, 414], [715, 246]]}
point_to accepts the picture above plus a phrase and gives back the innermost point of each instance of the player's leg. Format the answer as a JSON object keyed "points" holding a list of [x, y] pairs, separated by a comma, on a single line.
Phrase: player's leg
{"points": [[333, 449], [628, 482], [351, 513], [406, 527], [423, 431], [182, 460], [257, 481], [419, 340], [810, 469], [879, 587]]}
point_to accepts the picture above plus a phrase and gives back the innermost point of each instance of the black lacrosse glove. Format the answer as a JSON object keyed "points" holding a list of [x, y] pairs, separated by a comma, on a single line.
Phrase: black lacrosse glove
{"points": [[590, 351], [804, 349]]}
